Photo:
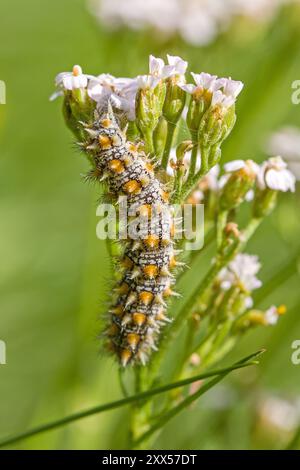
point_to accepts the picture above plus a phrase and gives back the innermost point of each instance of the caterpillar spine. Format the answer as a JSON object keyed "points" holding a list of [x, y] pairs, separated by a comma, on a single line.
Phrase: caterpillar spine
{"points": [[139, 309]]}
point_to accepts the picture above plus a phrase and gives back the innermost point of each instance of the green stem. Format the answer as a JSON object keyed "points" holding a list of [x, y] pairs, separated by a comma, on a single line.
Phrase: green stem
{"points": [[113, 405], [191, 398], [148, 137], [193, 163], [194, 177], [168, 145], [222, 219]]}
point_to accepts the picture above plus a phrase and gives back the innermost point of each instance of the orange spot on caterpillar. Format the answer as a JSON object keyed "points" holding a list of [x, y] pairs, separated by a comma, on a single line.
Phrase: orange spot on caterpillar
{"points": [[145, 210], [133, 340], [106, 122], [139, 318], [165, 242], [146, 297], [104, 141], [132, 147], [116, 166], [132, 187], [161, 317], [172, 262], [150, 271], [167, 292], [125, 356], [152, 241], [149, 167], [165, 196]]}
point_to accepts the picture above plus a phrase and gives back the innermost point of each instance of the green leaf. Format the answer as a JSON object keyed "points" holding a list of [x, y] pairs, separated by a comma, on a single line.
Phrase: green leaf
{"points": [[128, 400]]}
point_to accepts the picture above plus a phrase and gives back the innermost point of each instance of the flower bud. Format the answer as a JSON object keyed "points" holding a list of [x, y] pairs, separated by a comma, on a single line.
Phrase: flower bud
{"points": [[159, 136], [264, 202], [199, 103], [174, 100], [216, 125], [149, 103], [77, 106], [238, 185]]}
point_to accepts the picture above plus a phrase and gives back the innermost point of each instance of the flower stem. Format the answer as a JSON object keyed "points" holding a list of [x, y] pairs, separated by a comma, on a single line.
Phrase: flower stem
{"points": [[168, 145], [190, 399], [117, 404]]}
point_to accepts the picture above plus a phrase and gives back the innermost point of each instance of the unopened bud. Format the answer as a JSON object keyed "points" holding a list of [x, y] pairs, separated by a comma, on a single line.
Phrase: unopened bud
{"points": [[149, 104], [200, 102], [238, 185], [216, 125], [264, 202], [174, 100]]}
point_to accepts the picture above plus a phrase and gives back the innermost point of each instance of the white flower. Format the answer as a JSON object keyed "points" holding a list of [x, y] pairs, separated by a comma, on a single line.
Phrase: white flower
{"points": [[179, 65], [279, 414], [231, 87], [203, 81], [70, 81], [199, 22], [227, 96], [147, 81], [158, 69], [120, 91], [286, 142], [236, 165], [241, 271], [271, 315], [274, 175]]}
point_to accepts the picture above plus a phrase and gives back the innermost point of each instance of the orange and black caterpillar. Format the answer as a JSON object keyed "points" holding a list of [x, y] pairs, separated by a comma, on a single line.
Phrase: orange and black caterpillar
{"points": [[138, 311]]}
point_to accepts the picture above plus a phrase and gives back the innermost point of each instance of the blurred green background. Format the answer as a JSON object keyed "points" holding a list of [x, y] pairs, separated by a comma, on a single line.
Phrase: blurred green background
{"points": [[54, 271]]}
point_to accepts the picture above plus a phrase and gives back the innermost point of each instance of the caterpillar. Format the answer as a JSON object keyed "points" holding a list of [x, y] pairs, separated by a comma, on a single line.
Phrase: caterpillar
{"points": [[138, 310]]}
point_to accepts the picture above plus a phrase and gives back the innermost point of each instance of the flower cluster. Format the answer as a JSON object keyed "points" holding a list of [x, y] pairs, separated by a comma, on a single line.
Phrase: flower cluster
{"points": [[240, 277], [198, 22], [239, 180], [286, 142], [152, 105]]}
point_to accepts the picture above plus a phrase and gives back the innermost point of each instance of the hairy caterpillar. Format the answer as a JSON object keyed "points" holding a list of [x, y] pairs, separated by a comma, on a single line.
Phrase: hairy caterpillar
{"points": [[138, 312]]}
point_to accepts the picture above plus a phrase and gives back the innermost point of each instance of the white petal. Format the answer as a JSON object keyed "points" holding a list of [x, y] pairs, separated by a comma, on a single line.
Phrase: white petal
{"points": [[249, 302], [147, 81], [155, 66], [189, 88], [56, 94], [234, 165], [232, 87], [179, 64]]}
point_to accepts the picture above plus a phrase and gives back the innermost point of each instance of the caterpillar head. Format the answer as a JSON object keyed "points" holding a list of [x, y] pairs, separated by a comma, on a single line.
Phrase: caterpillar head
{"points": [[108, 130]]}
